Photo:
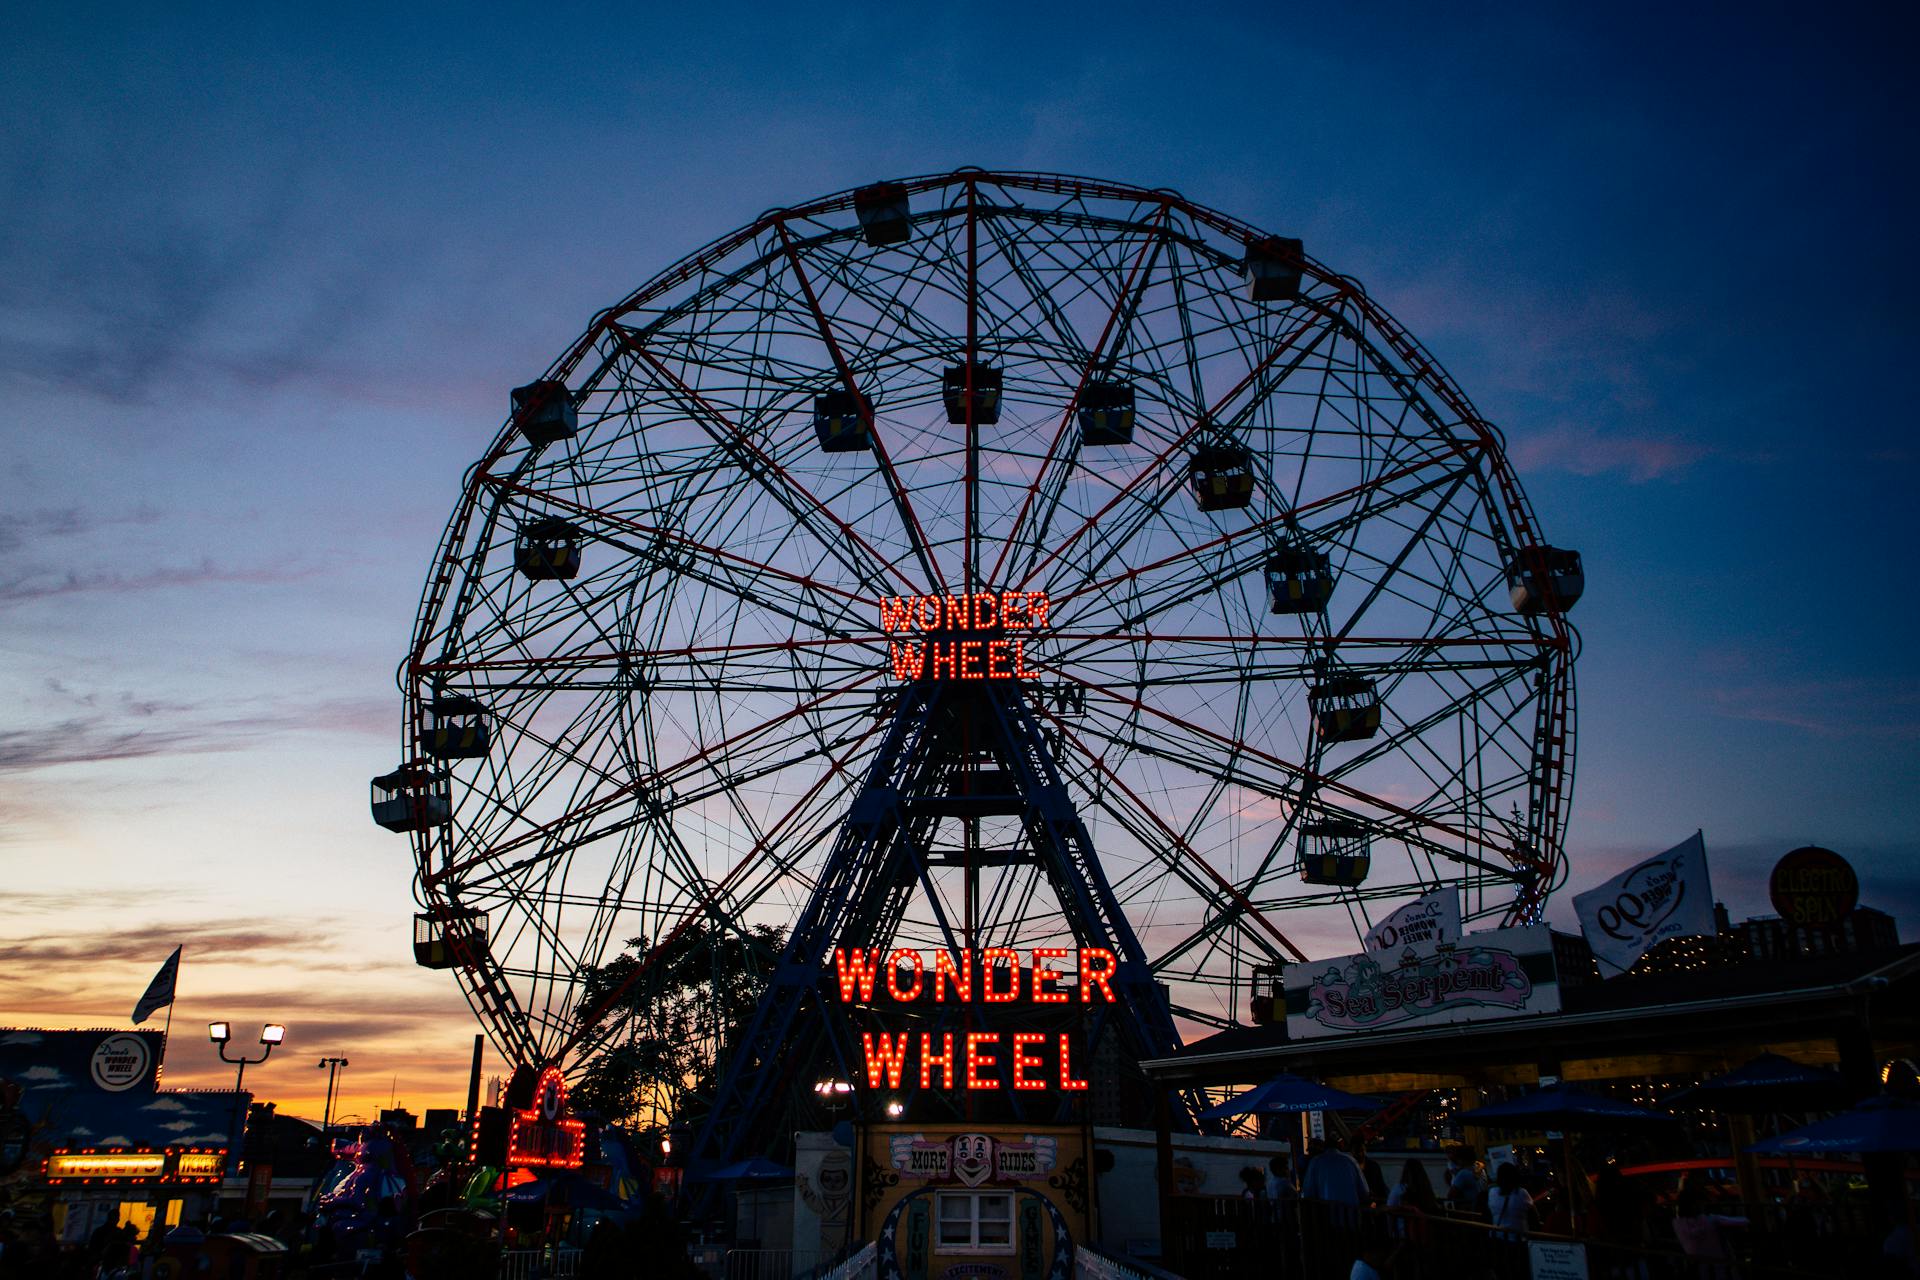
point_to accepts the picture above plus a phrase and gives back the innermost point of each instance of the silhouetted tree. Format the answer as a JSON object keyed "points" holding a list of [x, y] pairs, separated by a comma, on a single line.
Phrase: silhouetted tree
{"points": [[674, 1023]]}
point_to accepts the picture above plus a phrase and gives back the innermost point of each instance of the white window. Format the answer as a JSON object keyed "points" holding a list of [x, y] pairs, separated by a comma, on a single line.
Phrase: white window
{"points": [[977, 1221]]}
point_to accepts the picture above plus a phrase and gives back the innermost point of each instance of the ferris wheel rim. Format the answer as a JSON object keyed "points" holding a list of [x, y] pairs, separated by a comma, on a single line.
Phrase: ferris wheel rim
{"points": [[1430, 375]]}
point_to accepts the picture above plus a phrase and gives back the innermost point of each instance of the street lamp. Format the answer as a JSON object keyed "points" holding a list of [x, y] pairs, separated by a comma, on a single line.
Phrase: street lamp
{"points": [[221, 1033], [331, 1066]]}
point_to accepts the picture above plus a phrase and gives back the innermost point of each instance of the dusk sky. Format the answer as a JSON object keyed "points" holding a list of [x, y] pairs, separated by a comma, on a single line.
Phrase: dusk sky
{"points": [[265, 282]]}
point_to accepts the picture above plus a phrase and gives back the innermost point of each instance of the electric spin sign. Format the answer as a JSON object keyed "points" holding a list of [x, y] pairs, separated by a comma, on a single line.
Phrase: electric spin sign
{"points": [[906, 976], [965, 637]]}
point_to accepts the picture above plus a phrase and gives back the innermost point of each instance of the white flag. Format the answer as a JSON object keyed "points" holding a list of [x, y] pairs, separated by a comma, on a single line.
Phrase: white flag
{"points": [[1664, 897], [1432, 917]]}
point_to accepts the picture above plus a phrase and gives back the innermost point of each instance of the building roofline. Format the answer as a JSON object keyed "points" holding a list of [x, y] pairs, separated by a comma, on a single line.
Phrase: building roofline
{"points": [[1898, 968]]}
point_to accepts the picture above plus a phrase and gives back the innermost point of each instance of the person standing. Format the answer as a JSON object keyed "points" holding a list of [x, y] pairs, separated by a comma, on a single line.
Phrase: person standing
{"points": [[1509, 1207], [1464, 1184], [1332, 1176], [1370, 1173], [1701, 1234]]}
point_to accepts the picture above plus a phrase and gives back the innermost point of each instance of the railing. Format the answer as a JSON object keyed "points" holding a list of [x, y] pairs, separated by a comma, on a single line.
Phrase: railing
{"points": [[1223, 1239], [773, 1264], [1091, 1264], [864, 1265], [539, 1264]]}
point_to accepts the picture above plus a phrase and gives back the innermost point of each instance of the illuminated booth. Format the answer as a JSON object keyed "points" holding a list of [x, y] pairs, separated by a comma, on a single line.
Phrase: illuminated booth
{"points": [[955, 1199], [100, 1141]]}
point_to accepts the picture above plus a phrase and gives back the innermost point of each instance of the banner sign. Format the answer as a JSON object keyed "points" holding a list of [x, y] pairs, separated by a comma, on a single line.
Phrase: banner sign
{"points": [[1432, 917], [1664, 897], [1501, 973], [972, 1158]]}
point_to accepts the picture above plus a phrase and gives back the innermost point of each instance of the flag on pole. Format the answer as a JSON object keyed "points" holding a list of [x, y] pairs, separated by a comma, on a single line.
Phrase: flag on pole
{"points": [[160, 990], [1432, 917], [1664, 897]]}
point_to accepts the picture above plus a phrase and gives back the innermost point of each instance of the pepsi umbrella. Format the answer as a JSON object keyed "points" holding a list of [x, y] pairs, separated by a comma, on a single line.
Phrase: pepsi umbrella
{"points": [[1561, 1107], [565, 1188], [1878, 1124], [1768, 1083], [757, 1167], [1288, 1093]]}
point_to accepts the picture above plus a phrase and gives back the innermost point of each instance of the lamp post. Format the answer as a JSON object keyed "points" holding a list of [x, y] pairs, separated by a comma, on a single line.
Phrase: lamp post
{"points": [[221, 1033], [330, 1065]]}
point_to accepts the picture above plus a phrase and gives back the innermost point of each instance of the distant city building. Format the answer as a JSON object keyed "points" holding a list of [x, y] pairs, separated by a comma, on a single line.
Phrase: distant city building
{"points": [[439, 1119], [399, 1118], [1860, 932]]}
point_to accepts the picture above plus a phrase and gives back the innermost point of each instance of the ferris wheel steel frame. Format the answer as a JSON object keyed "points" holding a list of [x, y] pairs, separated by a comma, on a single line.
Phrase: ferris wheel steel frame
{"points": [[852, 573]]}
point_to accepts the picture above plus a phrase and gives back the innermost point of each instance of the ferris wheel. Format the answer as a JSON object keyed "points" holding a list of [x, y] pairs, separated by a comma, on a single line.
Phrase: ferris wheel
{"points": [[1238, 550]]}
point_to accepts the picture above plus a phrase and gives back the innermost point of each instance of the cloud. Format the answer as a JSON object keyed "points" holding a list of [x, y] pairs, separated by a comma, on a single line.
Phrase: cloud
{"points": [[152, 943], [43, 586], [1586, 452], [1885, 709], [95, 739], [42, 1075], [23, 528]]}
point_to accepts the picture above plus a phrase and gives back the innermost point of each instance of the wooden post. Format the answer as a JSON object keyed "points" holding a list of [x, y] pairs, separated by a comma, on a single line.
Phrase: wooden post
{"points": [[1163, 1173]]}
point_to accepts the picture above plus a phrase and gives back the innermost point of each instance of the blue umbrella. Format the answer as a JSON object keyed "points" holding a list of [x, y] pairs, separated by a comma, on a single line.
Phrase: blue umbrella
{"points": [[757, 1167], [1561, 1107], [1768, 1083], [1878, 1124], [1290, 1094]]}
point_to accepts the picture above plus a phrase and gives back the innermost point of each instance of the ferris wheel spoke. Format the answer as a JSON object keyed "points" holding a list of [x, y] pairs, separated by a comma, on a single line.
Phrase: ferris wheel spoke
{"points": [[1413, 542], [664, 542], [640, 786], [1202, 423], [1188, 854], [903, 503], [588, 1031], [1126, 302], [763, 469], [1308, 782]]}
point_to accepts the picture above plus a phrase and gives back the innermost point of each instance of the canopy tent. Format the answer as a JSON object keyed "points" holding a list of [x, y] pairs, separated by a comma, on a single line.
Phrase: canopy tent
{"points": [[1562, 1107], [1878, 1124], [1290, 1094], [755, 1168], [1768, 1083]]}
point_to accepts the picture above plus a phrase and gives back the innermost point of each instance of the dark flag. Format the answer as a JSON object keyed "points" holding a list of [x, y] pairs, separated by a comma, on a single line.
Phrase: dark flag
{"points": [[160, 990]]}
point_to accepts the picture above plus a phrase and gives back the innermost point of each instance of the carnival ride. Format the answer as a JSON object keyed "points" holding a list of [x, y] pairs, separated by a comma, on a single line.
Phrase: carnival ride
{"points": [[1290, 640]]}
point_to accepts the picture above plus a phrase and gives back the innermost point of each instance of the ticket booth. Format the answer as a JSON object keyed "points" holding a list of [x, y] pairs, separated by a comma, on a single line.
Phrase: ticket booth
{"points": [[973, 1202]]}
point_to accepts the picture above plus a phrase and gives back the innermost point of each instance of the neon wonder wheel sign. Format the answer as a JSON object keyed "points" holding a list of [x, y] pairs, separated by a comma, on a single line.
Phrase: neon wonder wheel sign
{"points": [[981, 635], [1045, 438]]}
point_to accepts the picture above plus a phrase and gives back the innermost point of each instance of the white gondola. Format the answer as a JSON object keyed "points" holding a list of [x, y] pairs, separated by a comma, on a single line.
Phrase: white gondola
{"points": [[412, 798], [1273, 268], [985, 396], [1106, 413], [1335, 851], [1298, 581], [884, 213], [547, 549], [840, 421], [1565, 579], [458, 730], [544, 412], [449, 937], [1345, 709], [1221, 477]]}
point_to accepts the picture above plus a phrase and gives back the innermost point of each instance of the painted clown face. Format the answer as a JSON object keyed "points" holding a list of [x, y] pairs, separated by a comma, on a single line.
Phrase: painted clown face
{"points": [[972, 1158]]}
